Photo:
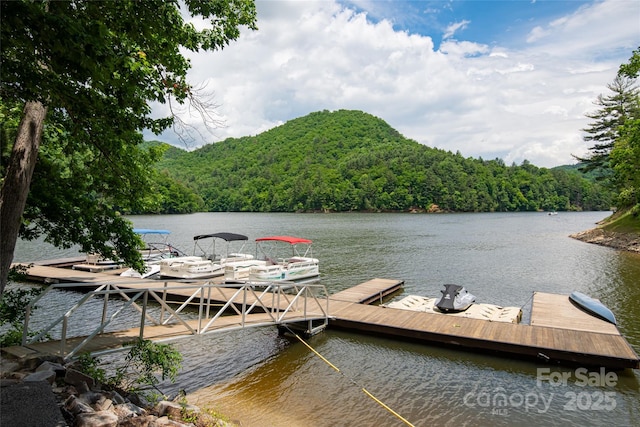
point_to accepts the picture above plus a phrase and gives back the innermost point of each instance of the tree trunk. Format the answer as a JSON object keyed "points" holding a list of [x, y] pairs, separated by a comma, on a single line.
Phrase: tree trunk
{"points": [[17, 181]]}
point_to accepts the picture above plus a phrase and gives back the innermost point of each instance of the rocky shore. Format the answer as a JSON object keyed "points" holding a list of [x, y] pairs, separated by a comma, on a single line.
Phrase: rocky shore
{"points": [[623, 241], [44, 391]]}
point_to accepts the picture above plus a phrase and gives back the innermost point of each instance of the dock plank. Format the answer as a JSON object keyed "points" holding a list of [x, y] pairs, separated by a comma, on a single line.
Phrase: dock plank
{"points": [[557, 311], [369, 292]]}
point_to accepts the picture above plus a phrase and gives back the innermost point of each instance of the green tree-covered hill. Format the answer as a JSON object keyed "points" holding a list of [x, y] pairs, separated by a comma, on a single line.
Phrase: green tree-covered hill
{"points": [[353, 161]]}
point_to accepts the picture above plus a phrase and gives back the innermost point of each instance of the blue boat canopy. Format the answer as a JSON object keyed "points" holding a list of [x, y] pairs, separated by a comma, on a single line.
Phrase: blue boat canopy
{"points": [[150, 231]]}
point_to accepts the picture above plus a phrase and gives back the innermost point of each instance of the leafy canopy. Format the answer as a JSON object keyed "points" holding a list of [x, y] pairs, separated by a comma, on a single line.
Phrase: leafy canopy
{"points": [[616, 132], [97, 67]]}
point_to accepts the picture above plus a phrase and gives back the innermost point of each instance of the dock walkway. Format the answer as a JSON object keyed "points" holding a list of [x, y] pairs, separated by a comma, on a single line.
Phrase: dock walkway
{"points": [[559, 332]]}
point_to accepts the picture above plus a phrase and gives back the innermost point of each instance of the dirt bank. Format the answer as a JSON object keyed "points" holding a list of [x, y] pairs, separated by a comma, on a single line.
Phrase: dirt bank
{"points": [[623, 241]]}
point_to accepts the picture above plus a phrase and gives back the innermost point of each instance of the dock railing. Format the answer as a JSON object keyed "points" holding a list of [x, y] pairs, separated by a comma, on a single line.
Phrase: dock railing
{"points": [[198, 308]]}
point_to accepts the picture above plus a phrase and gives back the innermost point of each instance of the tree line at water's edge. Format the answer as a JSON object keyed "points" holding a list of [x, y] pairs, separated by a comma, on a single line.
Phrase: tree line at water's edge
{"points": [[352, 161]]}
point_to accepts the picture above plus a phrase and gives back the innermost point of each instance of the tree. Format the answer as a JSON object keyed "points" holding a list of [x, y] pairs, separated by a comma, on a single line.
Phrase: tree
{"points": [[625, 154], [78, 79], [614, 111]]}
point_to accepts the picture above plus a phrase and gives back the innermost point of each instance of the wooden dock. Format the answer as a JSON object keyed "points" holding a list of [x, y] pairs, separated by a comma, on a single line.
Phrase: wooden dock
{"points": [[559, 332]]}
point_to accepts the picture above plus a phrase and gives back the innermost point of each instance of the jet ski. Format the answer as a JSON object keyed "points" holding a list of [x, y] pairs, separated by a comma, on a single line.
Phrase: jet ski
{"points": [[454, 298]]}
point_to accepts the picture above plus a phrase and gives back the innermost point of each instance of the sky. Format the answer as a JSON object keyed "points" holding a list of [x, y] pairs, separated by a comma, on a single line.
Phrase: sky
{"points": [[509, 79]]}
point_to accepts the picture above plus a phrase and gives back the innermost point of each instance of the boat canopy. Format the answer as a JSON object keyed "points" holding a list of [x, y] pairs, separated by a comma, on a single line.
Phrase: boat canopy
{"points": [[150, 231], [288, 239], [229, 237]]}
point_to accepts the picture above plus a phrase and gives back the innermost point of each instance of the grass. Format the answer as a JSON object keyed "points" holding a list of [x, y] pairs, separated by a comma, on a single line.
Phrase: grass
{"points": [[624, 221]]}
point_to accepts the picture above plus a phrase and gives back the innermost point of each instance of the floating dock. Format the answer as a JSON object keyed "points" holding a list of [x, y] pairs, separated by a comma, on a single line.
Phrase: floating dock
{"points": [[490, 312], [559, 332]]}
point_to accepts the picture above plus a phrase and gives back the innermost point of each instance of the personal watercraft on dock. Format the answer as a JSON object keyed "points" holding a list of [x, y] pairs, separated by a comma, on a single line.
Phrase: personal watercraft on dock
{"points": [[454, 298]]}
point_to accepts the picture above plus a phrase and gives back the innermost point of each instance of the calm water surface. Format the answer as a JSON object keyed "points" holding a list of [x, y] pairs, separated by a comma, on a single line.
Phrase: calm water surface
{"points": [[262, 379]]}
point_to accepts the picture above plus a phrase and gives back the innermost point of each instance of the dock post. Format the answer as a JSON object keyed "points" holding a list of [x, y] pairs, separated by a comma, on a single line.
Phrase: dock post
{"points": [[63, 338], [105, 305], [145, 299], [164, 302]]}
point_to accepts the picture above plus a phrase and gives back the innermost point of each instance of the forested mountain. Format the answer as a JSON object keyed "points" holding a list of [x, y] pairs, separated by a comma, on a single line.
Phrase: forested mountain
{"points": [[353, 161]]}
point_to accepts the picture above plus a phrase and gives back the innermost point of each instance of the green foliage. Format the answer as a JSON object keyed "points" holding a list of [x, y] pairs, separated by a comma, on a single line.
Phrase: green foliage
{"points": [[91, 367], [146, 358], [186, 414], [625, 155], [13, 305], [144, 361], [616, 131], [352, 161], [98, 66], [632, 68]]}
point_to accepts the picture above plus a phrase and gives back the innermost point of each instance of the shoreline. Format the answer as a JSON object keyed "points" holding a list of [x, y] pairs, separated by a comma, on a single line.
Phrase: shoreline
{"points": [[622, 241]]}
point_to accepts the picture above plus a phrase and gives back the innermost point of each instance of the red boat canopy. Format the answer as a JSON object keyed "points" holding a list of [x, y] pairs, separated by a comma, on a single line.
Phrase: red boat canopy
{"points": [[287, 239]]}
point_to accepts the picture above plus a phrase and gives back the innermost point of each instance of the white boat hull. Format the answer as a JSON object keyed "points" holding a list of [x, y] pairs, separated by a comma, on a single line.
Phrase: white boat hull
{"points": [[240, 270], [151, 270], [189, 268], [292, 271]]}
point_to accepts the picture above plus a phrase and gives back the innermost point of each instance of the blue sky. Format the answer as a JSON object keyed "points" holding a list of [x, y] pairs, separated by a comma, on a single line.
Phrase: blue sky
{"points": [[492, 79], [490, 22]]}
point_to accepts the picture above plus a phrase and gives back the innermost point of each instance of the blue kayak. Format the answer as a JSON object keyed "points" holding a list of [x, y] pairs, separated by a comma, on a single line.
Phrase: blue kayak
{"points": [[592, 306]]}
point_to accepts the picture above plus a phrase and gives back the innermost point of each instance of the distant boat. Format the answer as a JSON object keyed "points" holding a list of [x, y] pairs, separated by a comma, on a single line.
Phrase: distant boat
{"points": [[592, 306], [156, 247], [553, 213]]}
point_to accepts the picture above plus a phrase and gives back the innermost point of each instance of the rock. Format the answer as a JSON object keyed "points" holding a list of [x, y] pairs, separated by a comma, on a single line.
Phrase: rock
{"points": [[168, 422], [82, 387], [117, 399], [28, 399], [97, 419], [91, 397], [76, 406], [48, 376], [6, 367], [32, 361], [103, 404], [623, 241], [147, 421], [52, 366], [174, 410], [75, 378], [16, 376], [128, 410], [139, 400]]}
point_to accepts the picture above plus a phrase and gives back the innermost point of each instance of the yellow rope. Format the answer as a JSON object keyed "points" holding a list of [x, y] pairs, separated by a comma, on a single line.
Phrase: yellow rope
{"points": [[386, 407], [375, 399]]}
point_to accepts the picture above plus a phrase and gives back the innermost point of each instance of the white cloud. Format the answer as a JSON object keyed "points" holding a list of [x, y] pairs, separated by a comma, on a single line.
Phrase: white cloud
{"points": [[453, 28], [515, 104]]}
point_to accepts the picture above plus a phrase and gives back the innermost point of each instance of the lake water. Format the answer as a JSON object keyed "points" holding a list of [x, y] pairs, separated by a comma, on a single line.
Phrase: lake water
{"points": [[262, 379]]}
